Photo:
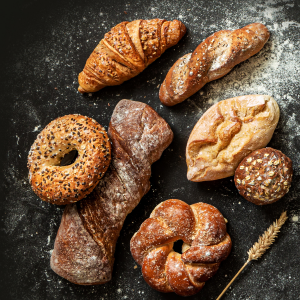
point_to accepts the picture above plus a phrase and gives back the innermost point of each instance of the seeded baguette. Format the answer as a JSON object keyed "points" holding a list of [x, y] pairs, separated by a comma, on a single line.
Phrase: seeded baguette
{"points": [[227, 132], [264, 176]]}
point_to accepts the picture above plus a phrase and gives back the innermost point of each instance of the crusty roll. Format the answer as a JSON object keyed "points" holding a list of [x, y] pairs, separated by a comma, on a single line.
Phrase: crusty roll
{"points": [[206, 243], [126, 50], [227, 132], [85, 243], [264, 176], [212, 59]]}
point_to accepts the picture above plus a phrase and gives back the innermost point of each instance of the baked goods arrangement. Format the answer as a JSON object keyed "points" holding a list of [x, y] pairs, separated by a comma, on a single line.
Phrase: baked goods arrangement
{"points": [[126, 50], [91, 228], [206, 243], [227, 132], [111, 172], [68, 184], [264, 176], [212, 59]]}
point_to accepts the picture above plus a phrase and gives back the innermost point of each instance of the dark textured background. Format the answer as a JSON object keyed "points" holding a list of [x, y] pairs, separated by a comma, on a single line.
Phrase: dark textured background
{"points": [[44, 46]]}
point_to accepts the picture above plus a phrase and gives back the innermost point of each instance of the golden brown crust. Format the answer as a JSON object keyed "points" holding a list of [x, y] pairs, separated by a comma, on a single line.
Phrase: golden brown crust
{"points": [[206, 243], [139, 136], [227, 132], [126, 50], [212, 59], [68, 184], [264, 176]]}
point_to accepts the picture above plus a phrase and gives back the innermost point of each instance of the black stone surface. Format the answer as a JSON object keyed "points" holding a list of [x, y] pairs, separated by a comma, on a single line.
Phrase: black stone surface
{"points": [[44, 46]]}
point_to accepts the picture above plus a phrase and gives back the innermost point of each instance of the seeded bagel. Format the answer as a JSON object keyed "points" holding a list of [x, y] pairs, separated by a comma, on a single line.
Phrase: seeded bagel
{"points": [[68, 184], [264, 176]]}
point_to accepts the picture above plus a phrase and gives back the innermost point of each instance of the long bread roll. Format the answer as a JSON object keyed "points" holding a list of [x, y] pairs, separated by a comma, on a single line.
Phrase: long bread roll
{"points": [[212, 59], [86, 240]]}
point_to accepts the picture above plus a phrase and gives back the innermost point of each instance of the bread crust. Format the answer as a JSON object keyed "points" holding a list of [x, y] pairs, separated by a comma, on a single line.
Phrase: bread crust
{"points": [[212, 59], [206, 243], [126, 50], [227, 132], [139, 136]]}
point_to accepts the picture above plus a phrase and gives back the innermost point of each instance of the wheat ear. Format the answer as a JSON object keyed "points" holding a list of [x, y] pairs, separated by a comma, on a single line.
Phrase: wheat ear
{"points": [[260, 247]]}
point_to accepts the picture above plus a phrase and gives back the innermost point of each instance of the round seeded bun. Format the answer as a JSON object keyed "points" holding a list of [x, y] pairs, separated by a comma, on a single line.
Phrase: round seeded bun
{"points": [[264, 176], [69, 183]]}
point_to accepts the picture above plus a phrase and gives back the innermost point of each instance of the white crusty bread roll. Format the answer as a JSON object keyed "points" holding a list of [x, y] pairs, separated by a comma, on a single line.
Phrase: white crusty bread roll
{"points": [[227, 132]]}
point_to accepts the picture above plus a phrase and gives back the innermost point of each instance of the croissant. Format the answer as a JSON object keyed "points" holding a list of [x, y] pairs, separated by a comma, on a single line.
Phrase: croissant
{"points": [[126, 50], [212, 59], [206, 243]]}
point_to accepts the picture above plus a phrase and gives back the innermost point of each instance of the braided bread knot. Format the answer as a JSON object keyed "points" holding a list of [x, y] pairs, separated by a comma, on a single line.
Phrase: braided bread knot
{"points": [[206, 243]]}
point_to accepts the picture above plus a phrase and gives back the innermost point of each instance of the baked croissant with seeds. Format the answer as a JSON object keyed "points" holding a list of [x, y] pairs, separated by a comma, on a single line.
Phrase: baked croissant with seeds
{"points": [[212, 59], [126, 50]]}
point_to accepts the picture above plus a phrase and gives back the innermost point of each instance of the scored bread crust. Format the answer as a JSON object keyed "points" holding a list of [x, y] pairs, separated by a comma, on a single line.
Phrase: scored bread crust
{"points": [[227, 132], [89, 230], [212, 59]]}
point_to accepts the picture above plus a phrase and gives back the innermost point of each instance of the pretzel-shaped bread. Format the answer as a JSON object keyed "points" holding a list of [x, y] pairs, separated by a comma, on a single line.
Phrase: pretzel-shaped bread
{"points": [[206, 243]]}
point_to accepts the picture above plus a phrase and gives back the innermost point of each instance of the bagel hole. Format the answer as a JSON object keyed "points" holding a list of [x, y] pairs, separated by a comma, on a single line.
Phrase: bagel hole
{"points": [[177, 247], [69, 158]]}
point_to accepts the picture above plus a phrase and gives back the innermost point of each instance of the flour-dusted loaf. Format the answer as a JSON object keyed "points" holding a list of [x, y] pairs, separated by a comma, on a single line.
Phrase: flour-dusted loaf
{"points": [[85, 243], [227, 132], [212, 59]]}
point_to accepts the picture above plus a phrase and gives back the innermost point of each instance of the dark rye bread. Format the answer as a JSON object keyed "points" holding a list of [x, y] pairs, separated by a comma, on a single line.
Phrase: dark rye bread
{"points": [[264, 176], [85, 243]]}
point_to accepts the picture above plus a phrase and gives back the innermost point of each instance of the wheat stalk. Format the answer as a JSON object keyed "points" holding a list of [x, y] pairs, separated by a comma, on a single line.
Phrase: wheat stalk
{"points": [[260, 247]]}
